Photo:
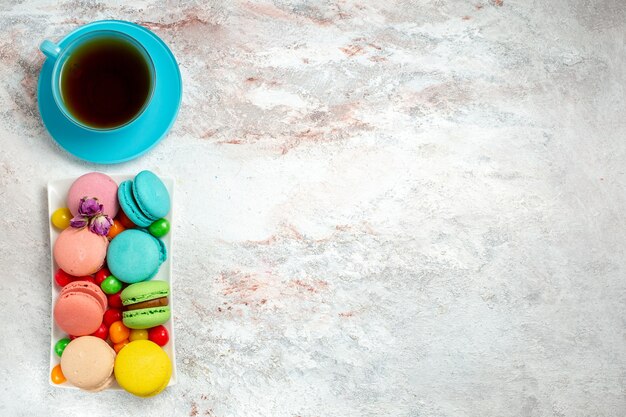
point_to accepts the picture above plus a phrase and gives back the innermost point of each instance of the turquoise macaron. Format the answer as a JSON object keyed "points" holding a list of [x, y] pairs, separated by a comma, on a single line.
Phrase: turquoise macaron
{"points": [[145, 199], [130, 206], [135, 255]]}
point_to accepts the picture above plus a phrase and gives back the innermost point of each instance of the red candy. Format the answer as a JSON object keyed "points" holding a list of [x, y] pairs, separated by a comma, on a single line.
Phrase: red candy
{"points": [[159, 335], [102, 332], [101, 275], [124, 220], [115, 301], [62, 278], [73, 337], [111, 316]]}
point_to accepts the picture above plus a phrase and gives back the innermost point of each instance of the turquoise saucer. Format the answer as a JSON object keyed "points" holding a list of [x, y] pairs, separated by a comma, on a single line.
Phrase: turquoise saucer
{"points": [[134, 139]]}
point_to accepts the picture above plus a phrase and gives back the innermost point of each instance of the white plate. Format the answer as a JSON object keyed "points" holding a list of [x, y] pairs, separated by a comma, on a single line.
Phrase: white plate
{"points": [[57, 194]]}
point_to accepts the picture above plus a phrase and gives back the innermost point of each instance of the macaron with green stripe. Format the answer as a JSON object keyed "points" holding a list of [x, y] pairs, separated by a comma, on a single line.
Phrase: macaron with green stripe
{"points": [[146, 304]]}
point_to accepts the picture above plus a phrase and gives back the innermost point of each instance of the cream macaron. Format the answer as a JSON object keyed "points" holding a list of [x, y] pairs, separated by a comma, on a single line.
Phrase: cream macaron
{"points": [[87, 363]]}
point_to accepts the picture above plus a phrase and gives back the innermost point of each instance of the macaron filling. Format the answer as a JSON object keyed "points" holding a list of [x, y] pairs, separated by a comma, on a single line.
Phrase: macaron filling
{"points": [[157, 302]]}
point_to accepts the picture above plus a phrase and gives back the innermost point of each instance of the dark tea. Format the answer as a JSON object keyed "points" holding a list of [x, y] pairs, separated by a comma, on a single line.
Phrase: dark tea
{"points": [[105, 82]]}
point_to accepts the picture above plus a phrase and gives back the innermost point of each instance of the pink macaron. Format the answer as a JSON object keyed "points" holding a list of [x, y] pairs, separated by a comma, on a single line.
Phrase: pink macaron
{"points": [[94, 185], [79, 308], [80, 252]]}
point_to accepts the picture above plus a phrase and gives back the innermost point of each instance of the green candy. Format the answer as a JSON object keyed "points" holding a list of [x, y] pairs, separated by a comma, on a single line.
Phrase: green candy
{"points": [[111, 285], [60, 346], [159, 228]]}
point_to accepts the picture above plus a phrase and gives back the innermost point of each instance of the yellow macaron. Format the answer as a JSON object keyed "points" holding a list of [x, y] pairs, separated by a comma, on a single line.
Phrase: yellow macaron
{"points": [[143, 368]]}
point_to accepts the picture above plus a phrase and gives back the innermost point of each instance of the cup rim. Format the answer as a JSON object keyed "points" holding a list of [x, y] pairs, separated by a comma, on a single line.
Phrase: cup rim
{"points": [[56, 78]]}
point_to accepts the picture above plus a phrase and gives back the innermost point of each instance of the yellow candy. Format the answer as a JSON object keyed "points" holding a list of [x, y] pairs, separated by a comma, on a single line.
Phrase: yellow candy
{"points": [[57, 375], [138, 334], [61, 218]]}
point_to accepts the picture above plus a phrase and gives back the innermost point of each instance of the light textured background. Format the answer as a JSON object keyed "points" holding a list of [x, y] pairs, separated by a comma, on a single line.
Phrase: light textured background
{"points": [[384, 208]]}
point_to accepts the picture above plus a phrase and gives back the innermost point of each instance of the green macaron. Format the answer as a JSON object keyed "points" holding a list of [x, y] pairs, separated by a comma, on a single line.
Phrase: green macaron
{"points": [[146, 304]]}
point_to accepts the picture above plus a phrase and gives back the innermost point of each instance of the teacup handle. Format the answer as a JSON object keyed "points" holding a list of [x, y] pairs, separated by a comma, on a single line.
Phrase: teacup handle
{"points": [[50, 49]]}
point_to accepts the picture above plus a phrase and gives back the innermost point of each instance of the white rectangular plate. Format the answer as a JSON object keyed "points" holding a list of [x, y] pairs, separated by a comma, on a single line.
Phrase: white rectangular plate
{"points": [[57, 194]]}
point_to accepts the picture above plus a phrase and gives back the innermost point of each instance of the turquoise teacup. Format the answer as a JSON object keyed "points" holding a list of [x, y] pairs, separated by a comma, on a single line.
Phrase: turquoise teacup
{"points": [[101, 81]]}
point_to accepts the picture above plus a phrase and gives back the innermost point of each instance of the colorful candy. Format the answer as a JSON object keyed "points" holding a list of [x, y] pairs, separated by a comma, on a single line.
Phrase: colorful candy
{"points": [[138, 334], [118, 332], [62, 278], [102, 332], [111, 316], [59, 347], [61, 218], [159, 228], [101, 275], [159, 335], [124, 220], [57, 375], [111, 285], [115, 301], [115, 229], [118, 346]]}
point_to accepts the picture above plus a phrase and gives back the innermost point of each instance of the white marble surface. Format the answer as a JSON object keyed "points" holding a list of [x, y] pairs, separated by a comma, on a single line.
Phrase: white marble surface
{"points": [[384, 208]]}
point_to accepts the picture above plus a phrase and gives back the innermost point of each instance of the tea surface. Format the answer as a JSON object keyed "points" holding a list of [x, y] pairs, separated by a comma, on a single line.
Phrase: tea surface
{"points": [[105, 82]]}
